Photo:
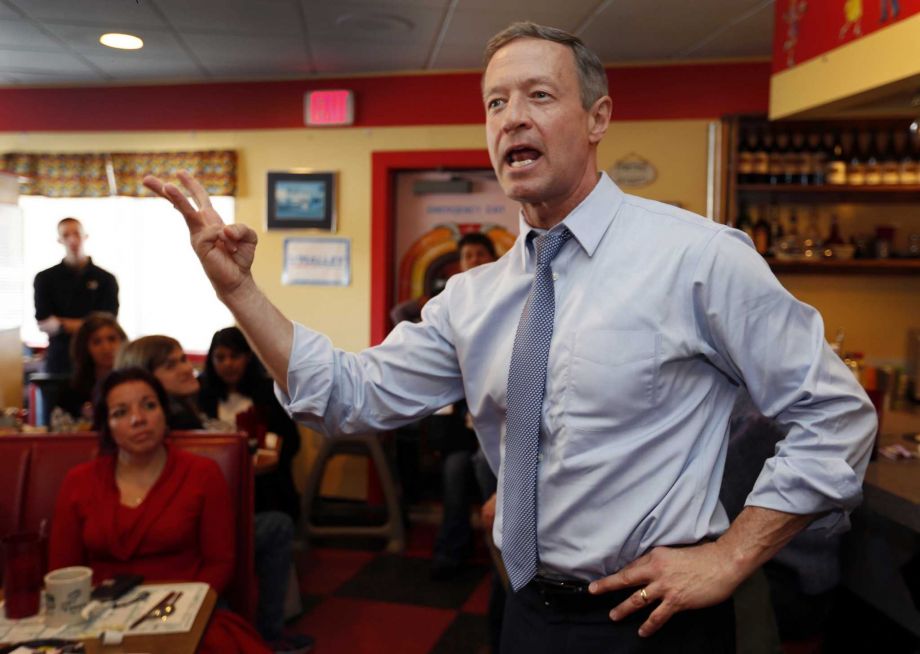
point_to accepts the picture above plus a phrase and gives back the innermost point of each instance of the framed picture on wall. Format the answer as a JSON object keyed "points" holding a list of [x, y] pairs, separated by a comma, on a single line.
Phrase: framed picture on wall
{"points": [[301, 200]]}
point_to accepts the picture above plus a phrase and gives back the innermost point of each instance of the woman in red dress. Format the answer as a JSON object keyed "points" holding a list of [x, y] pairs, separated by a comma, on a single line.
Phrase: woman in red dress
{"points": [[147, 508]]}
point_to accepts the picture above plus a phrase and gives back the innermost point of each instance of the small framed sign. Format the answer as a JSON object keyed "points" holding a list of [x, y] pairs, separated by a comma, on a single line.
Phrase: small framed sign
{"points": [[317, 261], [301, 200]]}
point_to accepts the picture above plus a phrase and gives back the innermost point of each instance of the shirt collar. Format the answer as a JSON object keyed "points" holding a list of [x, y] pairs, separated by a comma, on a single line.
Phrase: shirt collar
{"points": [[589, 221]]}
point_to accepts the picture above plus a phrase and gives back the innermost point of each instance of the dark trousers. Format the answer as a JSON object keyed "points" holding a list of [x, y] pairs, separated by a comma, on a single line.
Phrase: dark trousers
{"points": [[540, 623]]}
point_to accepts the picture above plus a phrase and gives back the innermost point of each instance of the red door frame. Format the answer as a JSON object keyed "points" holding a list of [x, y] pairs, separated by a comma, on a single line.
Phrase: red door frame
{"points": [[384, 167]]}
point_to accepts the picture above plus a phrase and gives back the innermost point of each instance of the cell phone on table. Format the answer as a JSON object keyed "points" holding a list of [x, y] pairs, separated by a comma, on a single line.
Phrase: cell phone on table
{"points": [[116, 587]]}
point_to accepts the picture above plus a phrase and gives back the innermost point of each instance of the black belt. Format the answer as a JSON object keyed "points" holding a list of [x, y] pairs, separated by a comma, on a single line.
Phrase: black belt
{"points": [[571, 595], [565, 587]]}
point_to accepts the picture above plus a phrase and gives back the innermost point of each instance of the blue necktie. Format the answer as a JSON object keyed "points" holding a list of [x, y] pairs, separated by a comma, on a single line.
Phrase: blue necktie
{"points": [[526, 388]]}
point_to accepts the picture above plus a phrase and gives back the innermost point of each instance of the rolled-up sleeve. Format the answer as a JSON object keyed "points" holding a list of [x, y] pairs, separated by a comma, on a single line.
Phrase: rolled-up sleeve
{"points": [[764, 338], [411, 374]]}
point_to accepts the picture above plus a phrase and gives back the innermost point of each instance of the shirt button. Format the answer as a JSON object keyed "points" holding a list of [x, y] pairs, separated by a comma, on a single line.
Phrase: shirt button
{"points": [[555, 277]]}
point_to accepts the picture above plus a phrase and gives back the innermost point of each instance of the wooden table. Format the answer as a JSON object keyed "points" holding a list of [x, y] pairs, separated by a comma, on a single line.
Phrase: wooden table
{"points": [[886, 528], [182, 643]]}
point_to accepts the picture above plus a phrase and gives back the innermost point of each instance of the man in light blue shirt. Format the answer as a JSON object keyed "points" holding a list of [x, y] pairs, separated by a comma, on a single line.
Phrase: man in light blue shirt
{"points": [[660, 316]]}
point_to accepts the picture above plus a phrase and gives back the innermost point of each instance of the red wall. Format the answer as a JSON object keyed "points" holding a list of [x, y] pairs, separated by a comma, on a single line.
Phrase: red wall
{"points": [[639, 93], [820, 27]]}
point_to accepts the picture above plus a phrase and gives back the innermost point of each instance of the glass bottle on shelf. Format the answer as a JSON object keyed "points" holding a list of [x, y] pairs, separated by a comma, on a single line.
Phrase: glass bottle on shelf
{"points": [[909, 171], [811, 236], [837, 163], [856, 166], [746, 156], [833, 235], [778, 159], [834, 245], [776, 231], [762, 233], [873, 162], [796, 161], [744, 222], [816, 159], [761, 159], [792, 159], [888, 157], [790, 245]]}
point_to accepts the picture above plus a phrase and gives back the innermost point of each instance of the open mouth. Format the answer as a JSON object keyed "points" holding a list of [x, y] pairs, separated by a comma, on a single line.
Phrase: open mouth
{"points": [[521, 157]]}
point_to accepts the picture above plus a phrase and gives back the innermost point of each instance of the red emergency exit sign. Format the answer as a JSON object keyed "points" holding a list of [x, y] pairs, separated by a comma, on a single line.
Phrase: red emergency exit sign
{"points": [[329, 107]]}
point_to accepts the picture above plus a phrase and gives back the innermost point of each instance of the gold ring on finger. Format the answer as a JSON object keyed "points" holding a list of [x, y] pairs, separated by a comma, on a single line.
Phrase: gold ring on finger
{"points": [[643, 595]]}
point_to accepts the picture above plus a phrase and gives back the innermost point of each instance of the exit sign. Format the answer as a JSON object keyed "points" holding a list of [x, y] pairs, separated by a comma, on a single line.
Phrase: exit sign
{"points": [[329, 107]]}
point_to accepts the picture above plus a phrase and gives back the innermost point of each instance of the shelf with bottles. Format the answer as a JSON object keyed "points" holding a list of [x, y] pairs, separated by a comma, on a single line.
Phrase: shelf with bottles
{"points": [[800, 239], [847, 267], [836, 192], [878, 156]]}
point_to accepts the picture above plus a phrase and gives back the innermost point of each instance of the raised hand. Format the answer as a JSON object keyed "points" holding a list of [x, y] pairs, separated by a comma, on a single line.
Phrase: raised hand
{"points": [[226, 252]]}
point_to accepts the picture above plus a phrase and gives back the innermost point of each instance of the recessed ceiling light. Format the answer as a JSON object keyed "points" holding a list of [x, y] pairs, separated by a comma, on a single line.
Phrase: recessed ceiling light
{"points": [[121, 41], [375, 22]]}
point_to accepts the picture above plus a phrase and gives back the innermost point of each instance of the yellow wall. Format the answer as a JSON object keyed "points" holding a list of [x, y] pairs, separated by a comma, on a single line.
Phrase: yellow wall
{"points": [[874, 312], [886, 58], [677, 148]]}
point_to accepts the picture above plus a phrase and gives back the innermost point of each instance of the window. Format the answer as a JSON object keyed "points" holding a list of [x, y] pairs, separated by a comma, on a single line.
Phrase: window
{"points": [[144, 243]]}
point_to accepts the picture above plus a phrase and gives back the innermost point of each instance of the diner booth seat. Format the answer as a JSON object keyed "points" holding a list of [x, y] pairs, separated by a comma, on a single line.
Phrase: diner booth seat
{"points": [[33, 466]]}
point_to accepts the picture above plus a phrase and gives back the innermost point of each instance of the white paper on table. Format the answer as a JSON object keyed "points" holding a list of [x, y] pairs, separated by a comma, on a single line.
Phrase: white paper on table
{"points": [[120, 619]]}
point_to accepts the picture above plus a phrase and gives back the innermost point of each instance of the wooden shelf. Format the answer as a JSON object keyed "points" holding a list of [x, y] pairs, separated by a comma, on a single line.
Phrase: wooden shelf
{"points": [[830, 193], [851, 267], [831, 188]]}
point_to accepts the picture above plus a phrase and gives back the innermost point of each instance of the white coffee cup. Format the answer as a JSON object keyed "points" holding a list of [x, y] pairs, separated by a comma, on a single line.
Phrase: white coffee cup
{"points": [[66, 593]]}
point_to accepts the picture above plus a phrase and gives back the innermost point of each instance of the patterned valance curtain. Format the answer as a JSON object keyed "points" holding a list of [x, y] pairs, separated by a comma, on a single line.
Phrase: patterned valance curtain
{"points": [[93, 175]]}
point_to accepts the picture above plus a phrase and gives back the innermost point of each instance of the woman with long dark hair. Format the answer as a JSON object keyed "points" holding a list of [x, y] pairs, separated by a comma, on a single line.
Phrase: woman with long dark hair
{"points": [[235, 383], [93, 350]]}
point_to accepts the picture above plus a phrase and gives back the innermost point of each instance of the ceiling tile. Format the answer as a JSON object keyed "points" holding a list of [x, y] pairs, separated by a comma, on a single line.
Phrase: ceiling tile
{"points": [[50, 78], [625, 31], [265, 39], [145, 67], [346, 22], [239, 17], [750, 37], [23, 34], [38, 62], [8, 13], [380, 5], [248, 54], [575, 9], [474, 27], [337, 58], [459, 56], [95, 12], [85, 40]]}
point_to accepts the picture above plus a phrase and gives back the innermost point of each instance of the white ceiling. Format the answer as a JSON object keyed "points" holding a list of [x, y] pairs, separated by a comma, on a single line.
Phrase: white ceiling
{"points": [[56, 41]]}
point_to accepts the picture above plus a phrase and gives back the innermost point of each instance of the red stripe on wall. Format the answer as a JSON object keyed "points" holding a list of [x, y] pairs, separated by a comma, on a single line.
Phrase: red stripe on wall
{"points": [[642, 92]]}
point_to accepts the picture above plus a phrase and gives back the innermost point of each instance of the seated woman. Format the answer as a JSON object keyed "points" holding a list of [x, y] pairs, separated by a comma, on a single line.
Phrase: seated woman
{"points": [[235, 383], [146, 508], [164, 358], [93, 350]]}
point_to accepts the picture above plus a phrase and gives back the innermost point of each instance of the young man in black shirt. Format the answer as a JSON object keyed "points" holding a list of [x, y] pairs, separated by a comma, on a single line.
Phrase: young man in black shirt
{"points": [[67, 292]]}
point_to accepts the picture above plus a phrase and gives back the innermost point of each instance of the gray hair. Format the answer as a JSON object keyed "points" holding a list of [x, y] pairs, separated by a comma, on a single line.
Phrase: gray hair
{"points": [[592, 78]]}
